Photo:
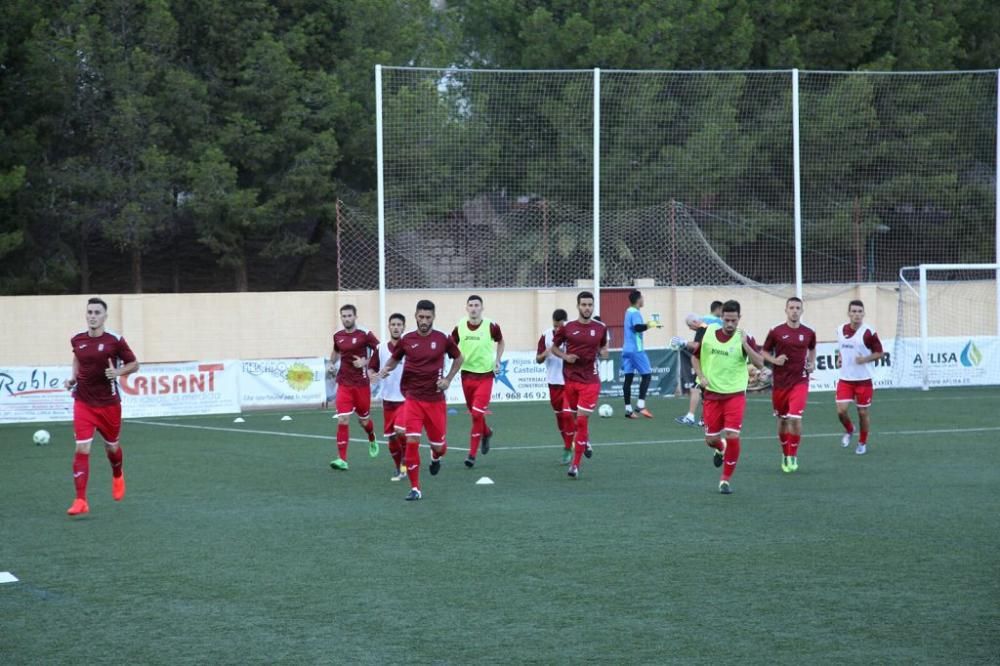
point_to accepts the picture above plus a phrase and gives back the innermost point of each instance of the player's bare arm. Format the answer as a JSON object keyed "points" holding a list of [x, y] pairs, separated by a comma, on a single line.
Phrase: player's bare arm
{"points": [[456, 365], [496, 365], [111, 372], [874, 356], [811, 360], [752, 354], [390, 365], [71, 382], [566, 357], [696, 366]]}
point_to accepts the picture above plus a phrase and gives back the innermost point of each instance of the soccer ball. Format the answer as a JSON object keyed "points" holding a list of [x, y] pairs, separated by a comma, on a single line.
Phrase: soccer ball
{"points": [[41, 437], [605, 411]]}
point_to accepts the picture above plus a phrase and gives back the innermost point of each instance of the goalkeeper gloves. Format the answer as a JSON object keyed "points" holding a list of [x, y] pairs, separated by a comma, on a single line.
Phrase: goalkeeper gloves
{"points": [[677, 342]]}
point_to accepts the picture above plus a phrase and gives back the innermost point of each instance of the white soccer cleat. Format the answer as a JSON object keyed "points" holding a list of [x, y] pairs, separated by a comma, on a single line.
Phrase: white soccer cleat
{"points": [[861, 449], [845, 441]]}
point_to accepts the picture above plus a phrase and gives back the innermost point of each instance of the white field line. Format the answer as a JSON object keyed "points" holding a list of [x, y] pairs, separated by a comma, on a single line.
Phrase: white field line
{"points": [[876, 435]]}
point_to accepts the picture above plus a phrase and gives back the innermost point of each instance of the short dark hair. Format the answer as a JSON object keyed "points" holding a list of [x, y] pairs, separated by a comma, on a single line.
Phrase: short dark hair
{"points": [[714, 306], [731, 306], [97, 301], [348, 307], [559, 315], [396, 315], [794, 298], [582, 295], [634, 296], [474, 297], [424, 304], [856, 302]]}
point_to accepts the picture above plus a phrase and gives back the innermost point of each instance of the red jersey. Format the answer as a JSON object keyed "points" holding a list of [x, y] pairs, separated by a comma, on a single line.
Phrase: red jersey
{"points": [[351, 346], [92, 355], [586, 341], [424, 365], [794, 343]]}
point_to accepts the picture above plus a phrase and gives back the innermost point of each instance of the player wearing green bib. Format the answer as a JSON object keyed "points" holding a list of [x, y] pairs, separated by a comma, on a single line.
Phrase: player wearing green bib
{"points": [[481, 343], [720, 363]]}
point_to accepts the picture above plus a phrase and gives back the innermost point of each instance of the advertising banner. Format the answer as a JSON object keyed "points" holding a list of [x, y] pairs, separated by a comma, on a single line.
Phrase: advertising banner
{"points": [[179, 389], [299, 382], [955, 361], [35, 394], [664, 363]]}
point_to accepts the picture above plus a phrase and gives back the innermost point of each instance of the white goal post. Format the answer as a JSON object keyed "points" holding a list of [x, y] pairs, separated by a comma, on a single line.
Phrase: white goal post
{"points": [[947, 314]]}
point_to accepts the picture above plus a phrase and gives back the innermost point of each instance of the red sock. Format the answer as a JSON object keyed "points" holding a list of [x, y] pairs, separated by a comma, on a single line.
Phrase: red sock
{"points": [[81, 472], [731, 456], [396, 445], [413, 462], [567, 427], [370, 429], [342, 432], [582, 438], [115, 458], [793, 444], [846, 420], [476, 434], [784, 438], [863, 439]]}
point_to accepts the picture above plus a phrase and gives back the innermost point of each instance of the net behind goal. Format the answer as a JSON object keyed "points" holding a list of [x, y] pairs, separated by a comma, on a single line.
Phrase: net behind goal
{"points": [[948, 326]]}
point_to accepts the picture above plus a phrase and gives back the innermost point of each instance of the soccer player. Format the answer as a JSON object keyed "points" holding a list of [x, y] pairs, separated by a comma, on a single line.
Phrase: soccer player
{"points": [[858, 345], [634, 358], [100, 357], [393, 414], [354, 394], [557, 383], [578, 344], [720, 363], [791, 348], [423, 387], [698, 325], [481, 343]]}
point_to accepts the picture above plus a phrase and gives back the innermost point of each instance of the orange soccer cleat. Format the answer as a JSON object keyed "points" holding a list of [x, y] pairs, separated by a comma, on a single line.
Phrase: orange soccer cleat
{"points": [[645, 412], [79, 507], [118, 488]]}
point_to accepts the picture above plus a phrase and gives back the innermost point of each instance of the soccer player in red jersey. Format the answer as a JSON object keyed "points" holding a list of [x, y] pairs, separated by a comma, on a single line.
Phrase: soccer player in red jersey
{"points": [[720, 363], [393, 414], [791, 348], [858, 345], [424, 386], [481, 343], [100, 357], [578, 344], [354, 393], [557, 384]]}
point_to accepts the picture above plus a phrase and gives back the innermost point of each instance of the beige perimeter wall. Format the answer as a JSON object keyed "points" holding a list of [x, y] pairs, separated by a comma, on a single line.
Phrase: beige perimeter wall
{"points": [[183, 327]]}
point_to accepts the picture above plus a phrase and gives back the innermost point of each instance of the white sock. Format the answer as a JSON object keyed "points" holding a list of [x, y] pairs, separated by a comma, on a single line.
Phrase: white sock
{"points": [[628, 409], [690, 416], [641, 404]]}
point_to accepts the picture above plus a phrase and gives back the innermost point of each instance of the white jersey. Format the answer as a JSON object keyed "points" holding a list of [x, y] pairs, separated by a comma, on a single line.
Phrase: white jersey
{"points": [[553, 364], [850, 349], [390, 385]]}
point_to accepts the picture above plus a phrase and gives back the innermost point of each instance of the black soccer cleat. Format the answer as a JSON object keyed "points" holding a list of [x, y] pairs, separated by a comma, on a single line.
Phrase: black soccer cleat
{"points": [[588, 452], [435, 466], [724, 488], [413, 495], [470, 461], [485, 446], [573, 471], [717, 458]]}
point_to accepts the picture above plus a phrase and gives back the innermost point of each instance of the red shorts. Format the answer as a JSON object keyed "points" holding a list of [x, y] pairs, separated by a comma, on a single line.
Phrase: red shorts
{"points": [[478, 390], [724, 414], [789, 403], [581, 396], [429, 416], [860, 393], [356, 399], [105, 419], [557, 397], [393, 417]]}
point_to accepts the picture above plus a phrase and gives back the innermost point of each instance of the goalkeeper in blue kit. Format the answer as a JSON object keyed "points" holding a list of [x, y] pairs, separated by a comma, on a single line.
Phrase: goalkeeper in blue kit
{"points": [[634, 358]]}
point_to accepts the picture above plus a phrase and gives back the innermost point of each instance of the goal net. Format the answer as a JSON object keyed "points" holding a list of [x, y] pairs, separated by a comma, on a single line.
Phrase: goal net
{"points": [[948, 326]]}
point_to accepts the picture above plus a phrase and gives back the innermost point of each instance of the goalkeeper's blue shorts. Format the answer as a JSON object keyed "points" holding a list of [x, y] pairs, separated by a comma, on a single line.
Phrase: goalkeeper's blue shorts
{"points": [[636, 362]]}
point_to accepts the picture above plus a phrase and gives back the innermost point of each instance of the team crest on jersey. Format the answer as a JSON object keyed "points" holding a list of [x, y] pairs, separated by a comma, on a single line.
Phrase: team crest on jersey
{"points": [[434, 345], [801, 337], [354, 341], [100, 347], [592, 334]]}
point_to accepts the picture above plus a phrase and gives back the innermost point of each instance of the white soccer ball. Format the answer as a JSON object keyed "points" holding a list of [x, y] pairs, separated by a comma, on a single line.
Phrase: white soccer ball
{"points": [[605, 411], [41, 437]]}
